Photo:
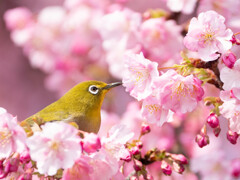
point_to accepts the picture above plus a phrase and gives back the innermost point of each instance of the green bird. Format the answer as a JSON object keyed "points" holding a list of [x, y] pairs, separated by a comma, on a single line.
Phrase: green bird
{"points": [[80, 106]]}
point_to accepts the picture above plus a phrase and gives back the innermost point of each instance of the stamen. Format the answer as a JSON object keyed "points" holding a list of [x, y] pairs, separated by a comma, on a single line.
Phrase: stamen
{"points": [[55, 145], [152, 108], [5, 136]]}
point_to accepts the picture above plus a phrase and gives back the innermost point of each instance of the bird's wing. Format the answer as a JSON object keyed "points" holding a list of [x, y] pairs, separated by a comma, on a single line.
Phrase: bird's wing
{"points": [[87, 124], [34, 122]]}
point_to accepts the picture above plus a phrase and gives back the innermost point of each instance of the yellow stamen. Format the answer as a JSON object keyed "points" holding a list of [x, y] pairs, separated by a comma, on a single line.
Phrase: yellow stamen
{"points": [[5, 136], [55, 145], [152, 108], [140, 73], [179, 89]]}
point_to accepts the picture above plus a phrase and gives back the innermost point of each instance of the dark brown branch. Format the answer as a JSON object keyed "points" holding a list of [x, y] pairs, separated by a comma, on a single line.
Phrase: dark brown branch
{"points": [[213, 66]]}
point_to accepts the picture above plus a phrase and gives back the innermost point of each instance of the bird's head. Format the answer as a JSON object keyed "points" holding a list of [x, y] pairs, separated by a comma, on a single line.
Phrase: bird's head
{"points": [[90, 93]]}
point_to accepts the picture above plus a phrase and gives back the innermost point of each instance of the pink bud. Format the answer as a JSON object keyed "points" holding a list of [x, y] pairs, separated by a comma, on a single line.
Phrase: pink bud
{"points": [[179, 168], [213, 120], [232, 137], [25, 156], [229, 59], [137, 165], [179, 157], [145, 129], [126, 156], [235, 168], [234, 40], [139, 144], [166, 168], [217, 131], [91, 143], [11, 165], [134, 150], [202, 140]]}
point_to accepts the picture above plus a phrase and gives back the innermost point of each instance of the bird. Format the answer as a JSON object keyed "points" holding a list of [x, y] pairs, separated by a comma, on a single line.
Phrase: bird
{"points": [[80, 107]]}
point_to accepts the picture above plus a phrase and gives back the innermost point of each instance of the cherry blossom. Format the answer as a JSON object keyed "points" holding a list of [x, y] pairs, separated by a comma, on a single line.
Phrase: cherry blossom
{"points": [[139, 75], [230, 109], [12, 136], [158, 31], [179, 93], [119, 25], [118, 31], [91, 142], [17, 18], [153, 111], [208, 35], [114, 143], [229, 59], [230, 77], [56, 146], [80, 170]]}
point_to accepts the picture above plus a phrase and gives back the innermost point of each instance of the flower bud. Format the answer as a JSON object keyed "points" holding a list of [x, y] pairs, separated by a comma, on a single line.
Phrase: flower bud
{"points": [[213, 120], [126, 156], [235, 171], [11, 165], [202, 140], [179, 168], [217, 131], [137, 165], [91, 143], [180, 158], [25, 156], [145, 129], [134, 150], [232, 137], [166, 168], [139, 144], [229, 59], [234, 40]]}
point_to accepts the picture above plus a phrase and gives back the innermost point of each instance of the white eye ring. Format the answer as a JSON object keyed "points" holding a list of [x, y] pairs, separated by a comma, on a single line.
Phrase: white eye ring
{"points": [[93, 89]]}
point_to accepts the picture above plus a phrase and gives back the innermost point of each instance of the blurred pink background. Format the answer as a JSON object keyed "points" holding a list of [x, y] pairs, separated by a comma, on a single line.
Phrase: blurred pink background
{"points": [[22, 90]]}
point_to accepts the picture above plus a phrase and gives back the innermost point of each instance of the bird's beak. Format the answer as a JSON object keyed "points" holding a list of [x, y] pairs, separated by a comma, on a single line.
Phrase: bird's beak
{"points": [[109, 86]]}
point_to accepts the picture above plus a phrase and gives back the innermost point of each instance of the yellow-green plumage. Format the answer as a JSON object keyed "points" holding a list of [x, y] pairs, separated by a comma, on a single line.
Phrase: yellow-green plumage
{"points": [[78, 106]]}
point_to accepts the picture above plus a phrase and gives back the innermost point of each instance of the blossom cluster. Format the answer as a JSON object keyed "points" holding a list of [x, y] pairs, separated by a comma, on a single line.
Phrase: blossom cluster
{"points": [[57, 150], [182, 73]]}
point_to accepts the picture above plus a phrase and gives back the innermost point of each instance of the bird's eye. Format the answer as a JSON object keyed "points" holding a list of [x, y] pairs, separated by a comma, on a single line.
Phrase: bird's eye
{"points": [[93, 89]]}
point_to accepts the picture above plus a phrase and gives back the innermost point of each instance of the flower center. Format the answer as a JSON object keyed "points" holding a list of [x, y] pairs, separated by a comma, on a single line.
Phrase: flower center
{"points": [[141, 74], [180, 90], [207, 37], [153, 108], [55, 145], [5, 136]]}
